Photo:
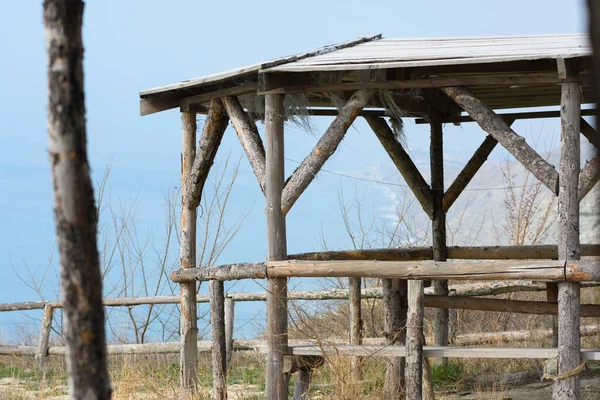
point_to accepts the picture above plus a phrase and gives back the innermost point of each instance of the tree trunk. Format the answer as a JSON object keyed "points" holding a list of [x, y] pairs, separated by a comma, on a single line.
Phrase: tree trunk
{"points": [[74, 208]]}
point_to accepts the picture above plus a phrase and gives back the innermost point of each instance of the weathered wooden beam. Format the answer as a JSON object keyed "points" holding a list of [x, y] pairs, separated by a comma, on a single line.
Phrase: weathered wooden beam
{"points": [[229, 325], [433, 351], [219, 345], [552, 297], [516, 336], [414, 341], [288, 84], [302, 385], [549, 252], [356, 322], [277, 310], [590, 133], [569, 342], [503, 305], [188, 324], [189, 103], [325, 147], [212, 134], [543, 271], [394, 311], [494, 125], [468, 172], [42, 349], [506, 116], [248, 134], [438, 226], [551, 271], [403, 163], [588, 177]]}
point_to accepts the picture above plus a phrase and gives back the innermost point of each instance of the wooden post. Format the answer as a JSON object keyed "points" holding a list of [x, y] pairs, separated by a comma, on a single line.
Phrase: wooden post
{"points": [[277, 380], [229, 319], [356, 323], [42, 350], [438, 228], [552, 297], [219, 348], [414, 341], [568, 242], [302, 384], [188, 324], [394, 292]]}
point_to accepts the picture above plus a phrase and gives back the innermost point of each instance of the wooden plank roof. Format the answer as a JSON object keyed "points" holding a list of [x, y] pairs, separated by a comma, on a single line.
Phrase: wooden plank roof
{"points": [[487, 64], [404, 53]]}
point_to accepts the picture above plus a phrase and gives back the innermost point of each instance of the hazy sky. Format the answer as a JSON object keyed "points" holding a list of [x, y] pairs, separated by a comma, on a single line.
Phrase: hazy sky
{"points": [[135, 45]]}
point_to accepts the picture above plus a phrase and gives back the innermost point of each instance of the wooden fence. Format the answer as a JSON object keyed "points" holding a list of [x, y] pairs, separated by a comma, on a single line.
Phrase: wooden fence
{"points": [[462, 296]]}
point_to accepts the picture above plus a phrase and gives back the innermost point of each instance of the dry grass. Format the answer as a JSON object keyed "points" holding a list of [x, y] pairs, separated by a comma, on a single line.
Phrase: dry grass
{"points": [[157, 376]]}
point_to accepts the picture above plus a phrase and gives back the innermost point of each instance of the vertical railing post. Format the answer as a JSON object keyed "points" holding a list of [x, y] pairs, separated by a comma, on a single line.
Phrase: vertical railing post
{"points": [[277, 312], [414, 341], [569, 345], [219, 348], [42, 348], [188, 324], [356, 324], [229, 321]]}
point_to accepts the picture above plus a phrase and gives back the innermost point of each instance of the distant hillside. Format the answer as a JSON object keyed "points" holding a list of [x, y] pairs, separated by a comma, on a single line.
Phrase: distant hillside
{"points": [[481, 210]]}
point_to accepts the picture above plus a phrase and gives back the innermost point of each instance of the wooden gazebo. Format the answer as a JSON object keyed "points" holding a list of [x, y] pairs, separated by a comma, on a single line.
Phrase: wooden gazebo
{"points": [[436, 81]]}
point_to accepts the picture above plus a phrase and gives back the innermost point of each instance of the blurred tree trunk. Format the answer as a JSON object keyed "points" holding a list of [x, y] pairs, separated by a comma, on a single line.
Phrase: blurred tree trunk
{"points": [[74, 208]]}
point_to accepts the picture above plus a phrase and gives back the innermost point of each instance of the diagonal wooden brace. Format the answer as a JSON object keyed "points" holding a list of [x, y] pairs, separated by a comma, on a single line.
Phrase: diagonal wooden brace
{"points": [[589, 176], [590, 133], [402, 160], [494, 125], [248, 134], [326, 146], [212, 134]]}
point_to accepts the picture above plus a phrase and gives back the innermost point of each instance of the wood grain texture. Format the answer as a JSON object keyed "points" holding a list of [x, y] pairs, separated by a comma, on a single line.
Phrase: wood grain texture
{"points": [[414, 341], [42, 350], [494, 125], [588, 177], [249, 137], [356, 323], [188, 324], [394, 312], [413, 178], [325, 147], [551, 271], [277, 311], [438, 226], [219, 346], [589, 132], [569, 342], [75, 213], [229, 327], [212, 133]]}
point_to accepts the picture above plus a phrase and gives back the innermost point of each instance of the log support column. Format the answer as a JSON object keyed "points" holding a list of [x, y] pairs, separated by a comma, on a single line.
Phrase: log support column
{"points": [[188, 324], [414, 341], [394, 311], [277, 312], [438, 228], [568, 243]]}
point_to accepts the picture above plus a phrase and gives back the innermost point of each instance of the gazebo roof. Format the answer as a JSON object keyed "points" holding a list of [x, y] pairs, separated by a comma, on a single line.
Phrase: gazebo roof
{"points": [[506, 72]]}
